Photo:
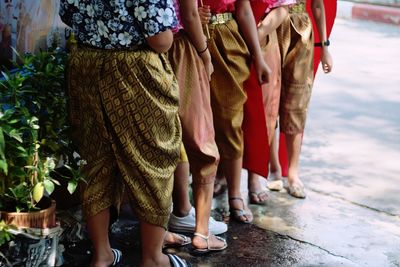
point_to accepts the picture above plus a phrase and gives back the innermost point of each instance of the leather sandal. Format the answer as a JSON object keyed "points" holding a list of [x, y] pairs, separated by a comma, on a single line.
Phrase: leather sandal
{"points": [[236, 214], [209, 249]]}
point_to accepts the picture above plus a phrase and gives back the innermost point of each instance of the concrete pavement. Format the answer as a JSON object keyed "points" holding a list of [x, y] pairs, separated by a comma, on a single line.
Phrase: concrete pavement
{"points": [[370, 12]]}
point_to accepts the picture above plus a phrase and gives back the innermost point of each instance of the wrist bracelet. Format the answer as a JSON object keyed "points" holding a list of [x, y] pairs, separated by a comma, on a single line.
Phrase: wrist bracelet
{"points": [[202, 51]]}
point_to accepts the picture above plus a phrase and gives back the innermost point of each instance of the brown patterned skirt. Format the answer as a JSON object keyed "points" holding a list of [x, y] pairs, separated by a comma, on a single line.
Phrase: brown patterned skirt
{"points": [[195, 110], [297, 49], [124, 116], [231, 60]]}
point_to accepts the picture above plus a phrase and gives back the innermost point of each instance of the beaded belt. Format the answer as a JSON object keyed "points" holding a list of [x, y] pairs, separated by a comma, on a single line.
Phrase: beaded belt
{"points": [[221, 18]]}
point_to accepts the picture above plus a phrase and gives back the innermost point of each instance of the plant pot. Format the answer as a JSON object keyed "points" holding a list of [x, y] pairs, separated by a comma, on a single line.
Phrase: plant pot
{"points": [[43, 218]]}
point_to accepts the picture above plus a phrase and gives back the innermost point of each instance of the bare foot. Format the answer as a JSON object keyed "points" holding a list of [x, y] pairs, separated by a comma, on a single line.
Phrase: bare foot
{"points": [[257, 194], [258, 197], [175, 240], [239, 211], [296, 187]]}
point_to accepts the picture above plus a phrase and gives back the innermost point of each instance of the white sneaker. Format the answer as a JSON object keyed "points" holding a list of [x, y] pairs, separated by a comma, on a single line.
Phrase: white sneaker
{"points": [[187, 224]]}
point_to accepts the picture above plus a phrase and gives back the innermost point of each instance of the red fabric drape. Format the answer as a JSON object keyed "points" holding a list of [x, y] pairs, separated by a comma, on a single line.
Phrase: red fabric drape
{"points": [[330, 13], [255, 133]]}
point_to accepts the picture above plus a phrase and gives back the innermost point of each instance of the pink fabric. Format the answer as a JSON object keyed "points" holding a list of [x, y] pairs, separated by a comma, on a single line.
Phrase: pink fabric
{"points": [[279, 3], [220, 6], [178, 15]]}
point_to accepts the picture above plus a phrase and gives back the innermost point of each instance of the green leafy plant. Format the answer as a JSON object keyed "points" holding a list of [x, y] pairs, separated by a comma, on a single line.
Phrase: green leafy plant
{"points": [[34, 131], [5, 234]]}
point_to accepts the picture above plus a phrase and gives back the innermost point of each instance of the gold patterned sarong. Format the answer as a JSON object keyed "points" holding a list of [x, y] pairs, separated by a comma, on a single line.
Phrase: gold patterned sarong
{"points": [[195, 110], [297, 49], [124, 116], [231, 60]]}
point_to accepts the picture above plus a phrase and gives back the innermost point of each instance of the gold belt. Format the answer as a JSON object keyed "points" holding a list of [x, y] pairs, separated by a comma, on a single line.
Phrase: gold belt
{"points": [[221, 18]]}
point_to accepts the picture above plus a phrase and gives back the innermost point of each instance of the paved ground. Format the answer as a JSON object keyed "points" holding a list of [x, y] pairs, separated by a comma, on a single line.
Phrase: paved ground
{"points": [[350, 165], [382, 11]]}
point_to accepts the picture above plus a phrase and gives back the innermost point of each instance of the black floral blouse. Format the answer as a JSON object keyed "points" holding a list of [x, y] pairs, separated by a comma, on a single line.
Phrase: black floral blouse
{"points": [[111, 24]]}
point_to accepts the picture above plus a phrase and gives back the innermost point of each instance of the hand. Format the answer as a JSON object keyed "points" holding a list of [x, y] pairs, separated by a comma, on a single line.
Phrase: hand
{"points": [[205, 14], [263, 71], [326, 60], [206, 57]]}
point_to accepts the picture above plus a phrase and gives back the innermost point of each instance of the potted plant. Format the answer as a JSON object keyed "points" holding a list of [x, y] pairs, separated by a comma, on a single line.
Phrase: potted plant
{"points": [[34, 138]]}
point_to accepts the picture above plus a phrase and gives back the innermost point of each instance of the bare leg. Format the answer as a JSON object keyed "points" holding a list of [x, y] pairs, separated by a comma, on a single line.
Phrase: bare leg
{"points": [[232, 170], [220, 182], [275, 166], [275, 182], [202, 200], [296, 187], [152, 237], [98, 230], [180, 194], [293, 147]]}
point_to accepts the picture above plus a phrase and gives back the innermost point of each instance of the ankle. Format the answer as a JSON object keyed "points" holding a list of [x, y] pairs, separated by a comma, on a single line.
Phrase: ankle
{"points": [[102, 259], [294, 180], [155, 261], [182, 212], [276, 171]]}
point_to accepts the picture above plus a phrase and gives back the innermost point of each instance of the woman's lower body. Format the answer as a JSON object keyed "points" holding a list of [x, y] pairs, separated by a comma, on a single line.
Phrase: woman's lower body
{"points": [[124, 118], [199, 142], [297, 45], [231, 60]]}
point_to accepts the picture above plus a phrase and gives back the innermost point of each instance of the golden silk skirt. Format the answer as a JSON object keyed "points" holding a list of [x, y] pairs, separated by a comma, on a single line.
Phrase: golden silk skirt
{"points": [[195, 109], [231, 60], [124, 117], [297, 50]]}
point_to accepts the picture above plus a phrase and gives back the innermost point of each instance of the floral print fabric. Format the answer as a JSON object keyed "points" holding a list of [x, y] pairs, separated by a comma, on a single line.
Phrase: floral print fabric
{"points": [[110, 24]]}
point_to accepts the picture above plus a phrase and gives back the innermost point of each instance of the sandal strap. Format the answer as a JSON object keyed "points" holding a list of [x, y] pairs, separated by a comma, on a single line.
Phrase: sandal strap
{"points": [[206, 238], [117, 256], [202, 236]]}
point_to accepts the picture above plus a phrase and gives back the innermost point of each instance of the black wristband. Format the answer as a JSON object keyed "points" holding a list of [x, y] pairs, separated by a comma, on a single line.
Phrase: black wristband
{"points": [[202, 51], [326, 43]]}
